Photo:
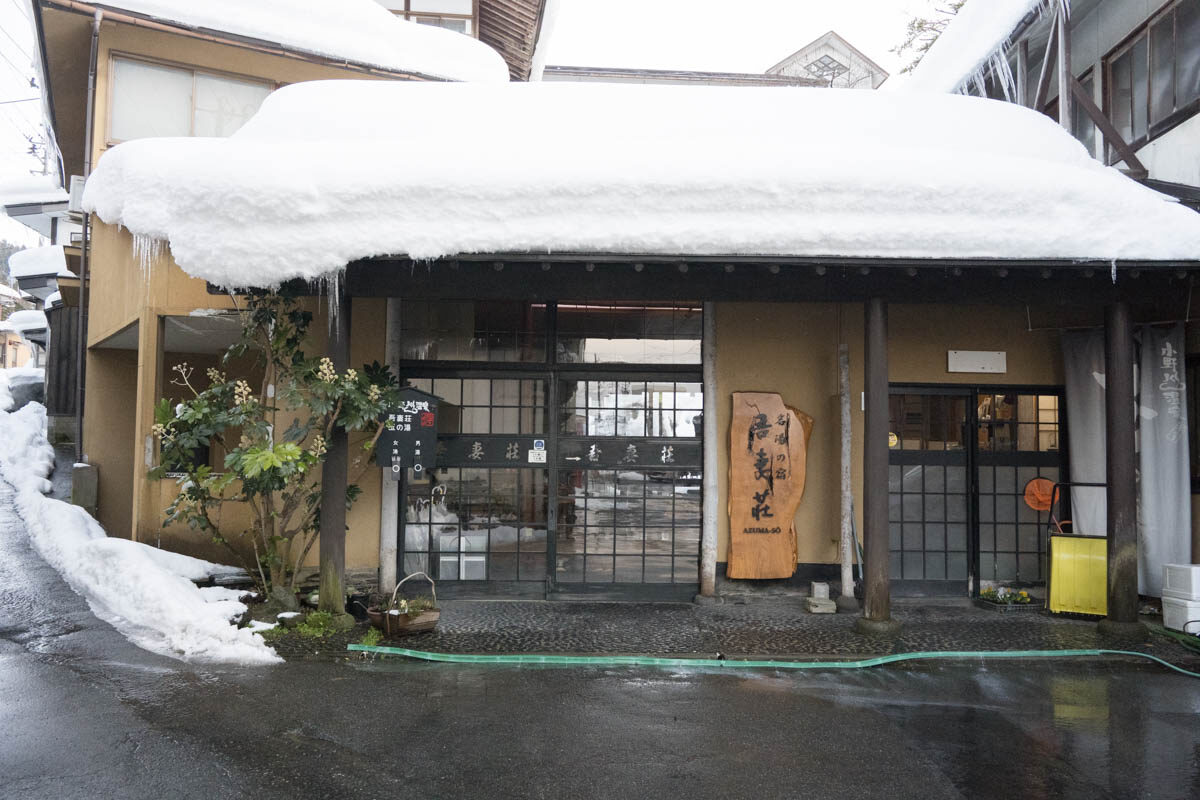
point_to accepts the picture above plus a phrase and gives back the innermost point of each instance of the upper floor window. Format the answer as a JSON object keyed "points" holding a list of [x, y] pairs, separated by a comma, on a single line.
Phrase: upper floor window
{"points": [[456, 15], [158, 100], [1154, 79]]}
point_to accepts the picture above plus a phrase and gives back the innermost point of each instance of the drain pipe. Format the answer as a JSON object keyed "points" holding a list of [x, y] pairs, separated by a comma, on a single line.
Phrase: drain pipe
{"points": [[85, 243]]}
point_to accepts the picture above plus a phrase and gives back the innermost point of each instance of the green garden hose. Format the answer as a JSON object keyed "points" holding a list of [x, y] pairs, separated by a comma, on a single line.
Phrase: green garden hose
{"points": [[651, 661]]}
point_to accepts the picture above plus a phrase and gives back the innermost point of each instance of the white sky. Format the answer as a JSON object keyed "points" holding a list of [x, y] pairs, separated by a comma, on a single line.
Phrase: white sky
{"points": [[720, 35], [17, 119]]}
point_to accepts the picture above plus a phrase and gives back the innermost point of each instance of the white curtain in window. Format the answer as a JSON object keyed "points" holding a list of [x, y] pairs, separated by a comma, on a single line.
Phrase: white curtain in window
{"points": [[224, 105], [150, 100]]}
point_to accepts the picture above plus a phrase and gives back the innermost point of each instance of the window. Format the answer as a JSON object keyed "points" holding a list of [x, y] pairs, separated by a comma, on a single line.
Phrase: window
{"points": [[456, 15], [1082, 125], [158, 100], [1154, 79]]}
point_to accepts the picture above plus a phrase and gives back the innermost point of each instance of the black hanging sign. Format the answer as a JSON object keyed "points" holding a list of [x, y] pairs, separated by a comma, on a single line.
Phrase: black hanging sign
{"points": [[409, 438]]}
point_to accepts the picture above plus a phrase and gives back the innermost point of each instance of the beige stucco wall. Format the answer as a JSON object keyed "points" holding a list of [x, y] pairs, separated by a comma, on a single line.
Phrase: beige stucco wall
{"points": [[792, 349], [108, 430]]}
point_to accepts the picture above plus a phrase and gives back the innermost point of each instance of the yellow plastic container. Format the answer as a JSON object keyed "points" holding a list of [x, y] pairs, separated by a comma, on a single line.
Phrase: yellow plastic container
{"points": [[1079, 575]]}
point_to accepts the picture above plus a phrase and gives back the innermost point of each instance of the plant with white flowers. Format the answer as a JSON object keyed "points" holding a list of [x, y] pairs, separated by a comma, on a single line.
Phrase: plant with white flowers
{"points": [[273, 440]]}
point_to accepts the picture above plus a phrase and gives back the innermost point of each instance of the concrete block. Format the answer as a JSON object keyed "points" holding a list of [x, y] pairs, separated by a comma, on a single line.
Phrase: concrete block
{"points": [[818, 605], [85, 486], [820, 590]]}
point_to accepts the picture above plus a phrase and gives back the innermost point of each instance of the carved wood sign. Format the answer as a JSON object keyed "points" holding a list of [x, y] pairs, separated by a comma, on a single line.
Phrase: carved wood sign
{"points": [[768, 449]]}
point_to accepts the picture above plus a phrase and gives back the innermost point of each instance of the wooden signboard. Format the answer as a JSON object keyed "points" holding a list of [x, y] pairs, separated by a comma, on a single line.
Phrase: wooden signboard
{"points": [[768, 448]]}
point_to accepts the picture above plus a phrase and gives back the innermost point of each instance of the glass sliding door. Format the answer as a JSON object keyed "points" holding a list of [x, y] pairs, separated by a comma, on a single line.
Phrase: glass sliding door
{"points": [[569, 444]]}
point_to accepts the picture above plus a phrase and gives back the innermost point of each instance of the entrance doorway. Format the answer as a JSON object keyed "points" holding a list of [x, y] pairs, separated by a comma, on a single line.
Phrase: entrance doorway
{"points": [[570, 461], [960, 460]]}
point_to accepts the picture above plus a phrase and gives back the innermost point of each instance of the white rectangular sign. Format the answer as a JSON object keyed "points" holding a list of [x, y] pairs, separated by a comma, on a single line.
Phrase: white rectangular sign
{"points": [[989, 361]]}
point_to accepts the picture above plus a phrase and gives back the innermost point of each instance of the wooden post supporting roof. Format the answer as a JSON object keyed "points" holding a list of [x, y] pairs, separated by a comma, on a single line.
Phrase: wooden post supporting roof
{"points": [[1120, 456], [333, 477], [1065, 117], [877, 606]]}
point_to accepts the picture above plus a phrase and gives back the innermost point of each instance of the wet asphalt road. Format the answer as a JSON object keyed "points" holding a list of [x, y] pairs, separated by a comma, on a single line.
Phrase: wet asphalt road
{"points": [[85, 714]]}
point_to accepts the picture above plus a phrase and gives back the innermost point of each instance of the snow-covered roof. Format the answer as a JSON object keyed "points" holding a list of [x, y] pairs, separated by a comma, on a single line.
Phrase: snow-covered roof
{"points": [[358, 31], [26, 321], [10, 293], [331, 172], [22, 188], [55, 298], [972, 42], [38, 262]]}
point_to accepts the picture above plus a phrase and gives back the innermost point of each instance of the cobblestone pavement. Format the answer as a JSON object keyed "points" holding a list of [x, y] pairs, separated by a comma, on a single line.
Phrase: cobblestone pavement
{"points": [[764, 629]]}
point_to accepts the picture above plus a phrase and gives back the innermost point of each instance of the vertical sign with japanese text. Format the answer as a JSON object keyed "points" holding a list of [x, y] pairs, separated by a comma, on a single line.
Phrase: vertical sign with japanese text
{"points": [[409, 438], [768, 449]]}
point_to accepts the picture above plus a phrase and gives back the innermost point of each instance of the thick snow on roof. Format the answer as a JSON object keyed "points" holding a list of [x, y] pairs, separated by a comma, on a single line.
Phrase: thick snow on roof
{"points": [[10, 293], [38, 262], [358, 31], [21, 189], [24, 321], [969, 44], [330, 172]]}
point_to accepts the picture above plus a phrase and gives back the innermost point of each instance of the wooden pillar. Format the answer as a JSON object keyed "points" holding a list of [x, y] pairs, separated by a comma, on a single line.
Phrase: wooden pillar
{"points": [[877, 615], [147, 510], [389, 502], [334, 475], [1023, 73], [1120, 458], [711, 508], [846, 600], [1065, 104]]}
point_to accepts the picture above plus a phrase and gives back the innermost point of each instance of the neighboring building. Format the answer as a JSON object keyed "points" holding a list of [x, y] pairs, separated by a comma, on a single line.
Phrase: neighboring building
{"points": [[510, 27], [827, 61], [1135, 65], [671, 76], [14, 352], [188, 69], [834, 62]]}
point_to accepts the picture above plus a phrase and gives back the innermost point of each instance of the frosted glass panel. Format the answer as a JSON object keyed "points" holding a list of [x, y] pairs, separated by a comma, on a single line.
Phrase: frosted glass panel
{"points": [[150, 100], [223, 105], [440, 6]]}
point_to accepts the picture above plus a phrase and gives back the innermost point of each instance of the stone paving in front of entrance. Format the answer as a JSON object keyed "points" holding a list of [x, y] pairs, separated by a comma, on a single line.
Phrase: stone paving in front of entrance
{"points": [[765, 629]]}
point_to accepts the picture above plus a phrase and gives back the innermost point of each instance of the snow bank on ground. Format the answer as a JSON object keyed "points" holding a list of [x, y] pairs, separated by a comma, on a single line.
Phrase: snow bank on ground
{"points": [[38, 262], [359, 31], [329, 172], [13, 376], [144, 593], [969, 44]]}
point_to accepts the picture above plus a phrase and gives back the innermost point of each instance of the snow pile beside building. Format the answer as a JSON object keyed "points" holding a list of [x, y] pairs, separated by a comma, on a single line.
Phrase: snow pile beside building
{"points": [[330, 172], [145, 594], [973, 41], [358, 31]]}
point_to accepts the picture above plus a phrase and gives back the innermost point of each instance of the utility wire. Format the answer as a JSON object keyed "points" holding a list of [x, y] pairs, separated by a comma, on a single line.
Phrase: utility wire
{"points": [[23, 51], [22, 100], [21, 8]]}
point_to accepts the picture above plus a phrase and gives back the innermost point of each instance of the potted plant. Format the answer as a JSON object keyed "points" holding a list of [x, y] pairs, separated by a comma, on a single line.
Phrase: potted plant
{"points": [[1005, 599], [405, 615]]}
